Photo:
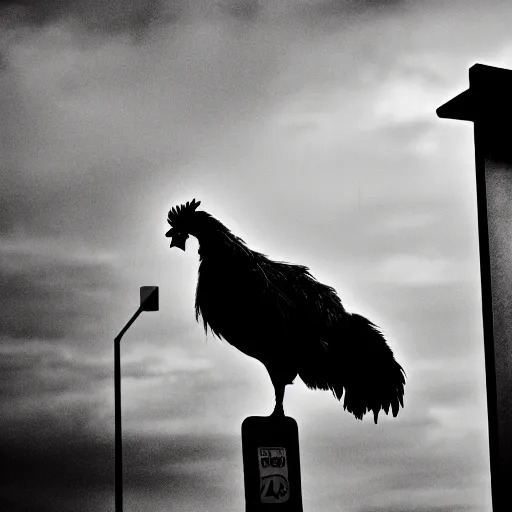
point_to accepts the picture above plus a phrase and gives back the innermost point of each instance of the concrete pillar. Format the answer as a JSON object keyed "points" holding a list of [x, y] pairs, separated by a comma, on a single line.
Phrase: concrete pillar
{"points": [[488, 104]]}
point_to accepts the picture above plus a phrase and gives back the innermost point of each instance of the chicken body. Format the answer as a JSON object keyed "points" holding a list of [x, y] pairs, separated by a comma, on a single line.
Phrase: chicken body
{"points": [[280, 315]]}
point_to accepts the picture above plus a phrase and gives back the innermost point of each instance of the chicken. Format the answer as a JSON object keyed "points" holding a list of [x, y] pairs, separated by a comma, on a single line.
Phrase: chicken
{"points": [[279, 314]]}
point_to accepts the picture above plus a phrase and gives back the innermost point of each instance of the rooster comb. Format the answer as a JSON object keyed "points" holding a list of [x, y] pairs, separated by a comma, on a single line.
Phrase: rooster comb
{"points": [[180, 213]]}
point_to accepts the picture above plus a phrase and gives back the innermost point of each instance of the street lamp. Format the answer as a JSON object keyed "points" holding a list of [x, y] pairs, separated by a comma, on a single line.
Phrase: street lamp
{"points": [[148, 302]]}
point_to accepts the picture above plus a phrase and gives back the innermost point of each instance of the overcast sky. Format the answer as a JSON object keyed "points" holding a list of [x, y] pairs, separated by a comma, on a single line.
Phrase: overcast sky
{"points": [[308, 127]]}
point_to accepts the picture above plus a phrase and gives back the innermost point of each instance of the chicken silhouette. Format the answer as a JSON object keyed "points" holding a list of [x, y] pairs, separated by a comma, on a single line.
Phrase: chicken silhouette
{"points": [[279, 314]]}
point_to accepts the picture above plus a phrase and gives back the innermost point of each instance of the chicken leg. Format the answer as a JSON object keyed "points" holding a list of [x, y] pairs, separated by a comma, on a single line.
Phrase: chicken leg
{"points": [[280, 379], [279, 391]]}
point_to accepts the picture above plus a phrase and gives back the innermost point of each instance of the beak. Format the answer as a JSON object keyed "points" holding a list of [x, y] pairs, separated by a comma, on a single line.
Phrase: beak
{"points": [[179, 241]]}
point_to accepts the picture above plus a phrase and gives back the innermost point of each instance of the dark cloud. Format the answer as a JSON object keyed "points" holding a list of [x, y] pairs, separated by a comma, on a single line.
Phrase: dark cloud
{"points": [[419, 508], [331, 15], [139, 16], [334, 8], [245, 10], [69, 471], [89, 131], [43, 373], [48, 298], [134, 16], [72, 384]]}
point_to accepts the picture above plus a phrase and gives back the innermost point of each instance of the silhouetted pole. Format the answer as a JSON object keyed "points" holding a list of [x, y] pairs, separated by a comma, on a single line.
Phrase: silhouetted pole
{"points": [[148, 302], [488, 104], [270, 447]]}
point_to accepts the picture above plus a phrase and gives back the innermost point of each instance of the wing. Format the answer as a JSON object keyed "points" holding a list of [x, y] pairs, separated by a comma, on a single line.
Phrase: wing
{"points": [[263, 296]]}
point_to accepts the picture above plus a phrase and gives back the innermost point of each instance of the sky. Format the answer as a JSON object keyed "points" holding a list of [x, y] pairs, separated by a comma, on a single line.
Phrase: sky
{"points": [[308, 127]]}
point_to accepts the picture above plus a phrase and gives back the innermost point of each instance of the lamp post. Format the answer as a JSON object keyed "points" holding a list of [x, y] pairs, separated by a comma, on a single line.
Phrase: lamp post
{"points": [[148, 302]]}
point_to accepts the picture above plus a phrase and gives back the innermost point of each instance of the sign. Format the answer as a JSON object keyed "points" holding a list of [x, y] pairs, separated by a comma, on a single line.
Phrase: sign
{"points": [[149, 298], [273, 466], [270, 447]]}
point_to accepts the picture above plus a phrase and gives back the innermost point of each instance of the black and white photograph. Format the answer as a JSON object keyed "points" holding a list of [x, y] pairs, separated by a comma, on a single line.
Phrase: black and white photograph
{"points": [[255, 255]]}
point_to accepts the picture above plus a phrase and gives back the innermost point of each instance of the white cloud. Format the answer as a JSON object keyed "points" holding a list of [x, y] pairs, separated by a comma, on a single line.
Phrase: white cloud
{"points": [[412, 220], [401, 100], [163, 361], [34, 251], [414, 270]]}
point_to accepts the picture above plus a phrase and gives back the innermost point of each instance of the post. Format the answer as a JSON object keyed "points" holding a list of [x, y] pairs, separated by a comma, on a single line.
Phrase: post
{"points": [[148, 302], [488, 104], [118, 433], [270, 447]]}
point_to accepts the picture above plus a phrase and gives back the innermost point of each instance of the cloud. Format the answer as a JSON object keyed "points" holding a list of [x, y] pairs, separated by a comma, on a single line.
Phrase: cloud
{"points": [[417, 270], [50, 293], [426, 508], [246, 10], [51, 372], [57, 413], [74, 471], [93, 130], [327, 10], [173, 361], [112, 16], [137, 17], [83, 137], [410, 93], [44, 377], [417, 461]]}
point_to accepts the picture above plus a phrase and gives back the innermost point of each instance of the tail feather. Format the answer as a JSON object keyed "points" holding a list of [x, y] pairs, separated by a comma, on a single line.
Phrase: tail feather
{"points": [[356, 361]]}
